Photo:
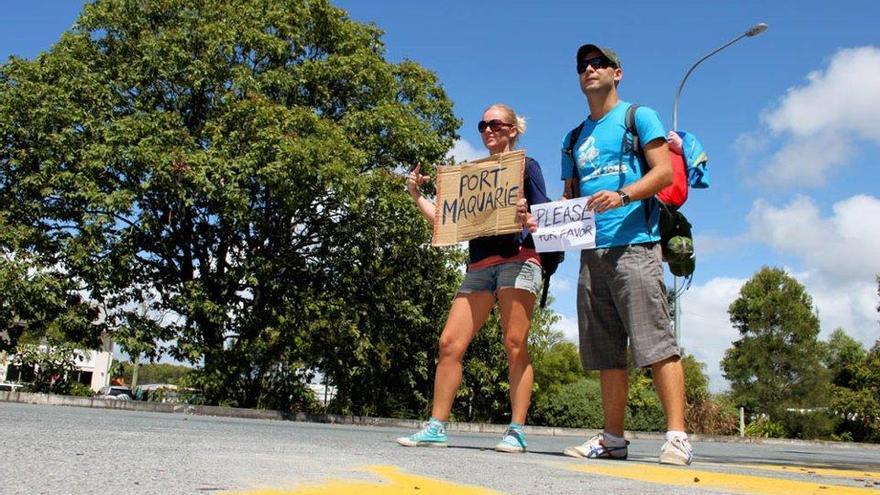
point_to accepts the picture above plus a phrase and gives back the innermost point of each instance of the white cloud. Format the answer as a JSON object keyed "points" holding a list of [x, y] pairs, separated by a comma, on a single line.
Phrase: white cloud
{"points": [[462, 151], [840, 248], [820, 122], [839, 253], [705, 327], [568, 325], [807, 161], [844, 97], [560, 286], [716, 244]]}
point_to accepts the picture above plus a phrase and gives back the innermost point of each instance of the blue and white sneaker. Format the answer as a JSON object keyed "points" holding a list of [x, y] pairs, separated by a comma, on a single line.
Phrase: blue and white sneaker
{"points": [[595, 448], [514, 440], [432, 434], [677, 451]]}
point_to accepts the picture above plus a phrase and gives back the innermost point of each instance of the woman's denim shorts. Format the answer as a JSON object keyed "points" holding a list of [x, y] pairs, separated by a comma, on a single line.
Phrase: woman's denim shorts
{"points": [[516, 275]]}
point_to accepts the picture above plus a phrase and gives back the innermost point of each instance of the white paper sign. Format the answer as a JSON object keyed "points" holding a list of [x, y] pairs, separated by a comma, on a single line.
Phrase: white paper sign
{"points": [[564, 225]]}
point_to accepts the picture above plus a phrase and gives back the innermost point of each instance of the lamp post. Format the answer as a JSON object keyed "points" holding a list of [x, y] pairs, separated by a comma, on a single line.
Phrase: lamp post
{"points": [[752, 31]]}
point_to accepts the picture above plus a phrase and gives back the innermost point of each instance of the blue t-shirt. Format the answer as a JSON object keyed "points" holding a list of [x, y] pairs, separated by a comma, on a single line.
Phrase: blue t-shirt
{"points": [[603, 165]]}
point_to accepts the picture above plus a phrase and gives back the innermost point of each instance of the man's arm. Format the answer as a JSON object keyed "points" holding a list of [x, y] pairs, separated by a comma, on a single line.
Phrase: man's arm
{"points": [[659, 176]]}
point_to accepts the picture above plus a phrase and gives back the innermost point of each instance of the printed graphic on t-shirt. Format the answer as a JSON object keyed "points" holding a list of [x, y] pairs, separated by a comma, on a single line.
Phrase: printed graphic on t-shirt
{"points": [[587, 153]]}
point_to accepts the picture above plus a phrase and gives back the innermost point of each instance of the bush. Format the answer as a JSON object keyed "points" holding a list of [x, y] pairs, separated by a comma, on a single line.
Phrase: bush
{"points": [[765, 428], [573, 405], [712, 416], [644, 412], [808, 425], [80, 390]]}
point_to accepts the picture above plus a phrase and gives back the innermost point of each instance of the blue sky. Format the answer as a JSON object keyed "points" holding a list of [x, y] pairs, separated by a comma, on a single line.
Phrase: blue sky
{"points": [[790, 120]]}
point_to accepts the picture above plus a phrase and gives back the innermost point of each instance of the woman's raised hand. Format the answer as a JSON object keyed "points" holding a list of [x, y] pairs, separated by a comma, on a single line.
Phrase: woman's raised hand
{"points": [[415, 180]]}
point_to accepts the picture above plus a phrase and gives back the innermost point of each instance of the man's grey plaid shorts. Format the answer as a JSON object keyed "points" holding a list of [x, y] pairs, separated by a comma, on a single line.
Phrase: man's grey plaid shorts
{"points": [[622, 296]]}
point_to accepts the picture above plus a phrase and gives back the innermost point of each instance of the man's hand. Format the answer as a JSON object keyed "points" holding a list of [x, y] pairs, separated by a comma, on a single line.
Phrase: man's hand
{"points": [[603, 201], [524, 217]]}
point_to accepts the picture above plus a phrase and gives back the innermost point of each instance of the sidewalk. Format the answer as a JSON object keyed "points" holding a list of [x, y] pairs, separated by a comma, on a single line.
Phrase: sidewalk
{"points": [[232, 412]]}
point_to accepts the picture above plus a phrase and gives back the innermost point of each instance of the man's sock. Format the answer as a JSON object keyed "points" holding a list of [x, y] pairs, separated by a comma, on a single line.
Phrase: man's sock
{"points": [[672, 434], [612, 440]]}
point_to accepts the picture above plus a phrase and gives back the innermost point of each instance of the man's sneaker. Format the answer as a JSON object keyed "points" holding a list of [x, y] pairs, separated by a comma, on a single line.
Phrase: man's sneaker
{"points": [[514, 441], [677, 451], [432, 434], [595, 448]]}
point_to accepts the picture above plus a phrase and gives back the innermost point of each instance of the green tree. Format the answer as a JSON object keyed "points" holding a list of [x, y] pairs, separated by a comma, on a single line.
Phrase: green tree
{"points": [[775, 364], [859, 402], [39, 304], [842, 352], [156, 373], [54, 366], [233, 165]]}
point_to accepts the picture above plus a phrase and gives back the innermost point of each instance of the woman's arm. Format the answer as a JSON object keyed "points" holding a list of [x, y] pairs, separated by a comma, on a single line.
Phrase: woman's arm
{"points": [[413, 182]]}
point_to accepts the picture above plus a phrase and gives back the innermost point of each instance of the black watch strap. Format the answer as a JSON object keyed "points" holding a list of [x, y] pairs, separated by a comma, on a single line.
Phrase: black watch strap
{"points": [[624, 197]]}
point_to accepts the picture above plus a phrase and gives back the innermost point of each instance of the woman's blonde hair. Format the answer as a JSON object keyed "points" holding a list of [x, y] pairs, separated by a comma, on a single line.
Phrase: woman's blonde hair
{"points": [[510, 116]]}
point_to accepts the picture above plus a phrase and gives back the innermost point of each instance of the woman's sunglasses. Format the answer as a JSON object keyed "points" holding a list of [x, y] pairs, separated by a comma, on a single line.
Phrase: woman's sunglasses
{"points": [[596, 62], [494, 124]]}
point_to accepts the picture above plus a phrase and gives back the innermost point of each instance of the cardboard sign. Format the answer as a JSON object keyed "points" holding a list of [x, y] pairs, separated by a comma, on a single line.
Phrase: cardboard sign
{"points": [[564, 225], [478, 198]]}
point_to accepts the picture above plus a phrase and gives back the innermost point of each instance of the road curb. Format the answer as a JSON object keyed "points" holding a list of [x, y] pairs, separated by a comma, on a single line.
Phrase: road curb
{"points": [[233, 412]]}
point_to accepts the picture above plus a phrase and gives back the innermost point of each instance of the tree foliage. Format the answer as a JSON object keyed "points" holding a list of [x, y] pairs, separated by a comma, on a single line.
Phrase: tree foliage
{"points": [[775, 364], [231, 166], [53, 367], [842, 353], [858, 400], [155, 373]]}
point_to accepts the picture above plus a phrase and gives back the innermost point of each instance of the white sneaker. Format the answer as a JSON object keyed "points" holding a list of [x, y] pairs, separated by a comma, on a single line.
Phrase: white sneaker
{"points": [[595, 448], [677, 451]]}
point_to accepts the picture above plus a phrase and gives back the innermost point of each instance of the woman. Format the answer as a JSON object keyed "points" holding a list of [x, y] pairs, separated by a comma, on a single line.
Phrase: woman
{"points": [[504, 268]]}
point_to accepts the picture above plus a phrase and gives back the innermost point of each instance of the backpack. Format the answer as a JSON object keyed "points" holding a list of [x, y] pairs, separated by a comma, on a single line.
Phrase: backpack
{"points": [[689, 169]]}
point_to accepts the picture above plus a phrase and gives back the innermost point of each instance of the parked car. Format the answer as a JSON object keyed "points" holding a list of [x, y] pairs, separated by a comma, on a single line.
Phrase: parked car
{"points": [[115, 392], [9, 387]]}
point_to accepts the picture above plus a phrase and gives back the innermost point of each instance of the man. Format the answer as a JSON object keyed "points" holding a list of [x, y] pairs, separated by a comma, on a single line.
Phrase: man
{"points": [[621, 293]]}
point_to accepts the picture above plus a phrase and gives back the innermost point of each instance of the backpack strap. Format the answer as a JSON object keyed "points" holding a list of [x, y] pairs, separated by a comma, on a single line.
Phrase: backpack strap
{"points": [[544, 291], [569, 150], [632, 143]]}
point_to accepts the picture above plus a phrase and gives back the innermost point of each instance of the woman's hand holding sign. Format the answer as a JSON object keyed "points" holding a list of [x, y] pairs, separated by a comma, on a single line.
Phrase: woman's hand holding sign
{"points": [[524, 217]]}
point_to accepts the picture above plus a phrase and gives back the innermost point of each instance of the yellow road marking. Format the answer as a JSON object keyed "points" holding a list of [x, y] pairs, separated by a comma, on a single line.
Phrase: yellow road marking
{"points": [[695, 478], [839, 473], [393, 482]]}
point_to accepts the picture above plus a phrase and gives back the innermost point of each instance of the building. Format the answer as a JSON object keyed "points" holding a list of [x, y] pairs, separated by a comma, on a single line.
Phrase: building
{"points": [[92, 366]]}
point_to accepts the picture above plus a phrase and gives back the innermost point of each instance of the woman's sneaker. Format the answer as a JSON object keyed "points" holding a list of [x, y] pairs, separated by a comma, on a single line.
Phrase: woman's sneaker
{"points": [[595, 448], [514, 441], [432, 434], [677, 451]]}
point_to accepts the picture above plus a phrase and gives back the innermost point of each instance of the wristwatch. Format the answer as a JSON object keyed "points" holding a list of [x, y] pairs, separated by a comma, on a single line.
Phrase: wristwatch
{"points": [[624, 197]]}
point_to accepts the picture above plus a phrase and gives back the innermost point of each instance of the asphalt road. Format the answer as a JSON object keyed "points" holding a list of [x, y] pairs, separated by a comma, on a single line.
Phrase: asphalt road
{"points": [[70, 450]]}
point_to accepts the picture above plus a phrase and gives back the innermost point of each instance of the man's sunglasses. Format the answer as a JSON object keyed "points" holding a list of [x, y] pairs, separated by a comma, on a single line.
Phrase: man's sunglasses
{"points": [[596, 62], [494, 124]]}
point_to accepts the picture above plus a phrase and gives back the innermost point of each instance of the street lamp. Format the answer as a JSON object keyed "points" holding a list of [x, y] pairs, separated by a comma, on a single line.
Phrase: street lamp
{"points": [[752, 31]]}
